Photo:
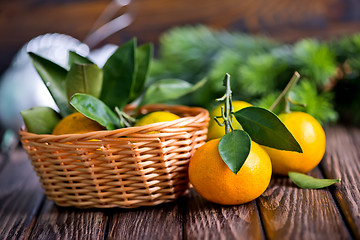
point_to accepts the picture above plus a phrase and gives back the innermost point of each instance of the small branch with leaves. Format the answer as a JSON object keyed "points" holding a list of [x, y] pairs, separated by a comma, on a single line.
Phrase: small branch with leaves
{"points": [[227, 111], [259, 124]]}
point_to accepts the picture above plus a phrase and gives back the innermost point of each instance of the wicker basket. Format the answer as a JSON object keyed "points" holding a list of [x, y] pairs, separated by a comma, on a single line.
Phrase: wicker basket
{"points": [[124, 168]]}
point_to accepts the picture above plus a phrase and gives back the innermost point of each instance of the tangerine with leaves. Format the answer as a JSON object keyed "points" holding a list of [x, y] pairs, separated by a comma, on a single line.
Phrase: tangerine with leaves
{"points": [[102, 94], [311, 137], [235, 169], [305, 129], [214, 180]]}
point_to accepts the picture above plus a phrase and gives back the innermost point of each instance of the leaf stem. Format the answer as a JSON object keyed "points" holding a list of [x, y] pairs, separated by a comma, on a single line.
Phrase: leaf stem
{"points": [[125, 119], [287, 105], [294, 79], [226, 111]]}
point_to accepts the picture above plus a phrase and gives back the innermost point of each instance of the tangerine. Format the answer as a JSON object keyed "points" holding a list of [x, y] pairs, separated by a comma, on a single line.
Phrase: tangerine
{"points": [[76, 123], [311, 137], [154, 117], [214, 181]]}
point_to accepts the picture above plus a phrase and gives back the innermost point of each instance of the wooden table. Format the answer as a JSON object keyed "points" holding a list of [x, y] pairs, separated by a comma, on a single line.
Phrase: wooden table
{"points": [[284, 211]]}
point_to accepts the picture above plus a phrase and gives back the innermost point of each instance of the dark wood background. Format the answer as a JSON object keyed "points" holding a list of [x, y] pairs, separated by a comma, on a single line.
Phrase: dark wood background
{"points": [[285, 20]]}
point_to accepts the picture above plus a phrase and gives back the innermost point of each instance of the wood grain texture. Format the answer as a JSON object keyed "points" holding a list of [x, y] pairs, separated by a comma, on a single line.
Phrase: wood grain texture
{"points": [[22, 20], [205, 220], [342, 160], [69, 223], [284, 20], [256, 16], [284, 211], [289, 212], [160, 222], [20, 197]]}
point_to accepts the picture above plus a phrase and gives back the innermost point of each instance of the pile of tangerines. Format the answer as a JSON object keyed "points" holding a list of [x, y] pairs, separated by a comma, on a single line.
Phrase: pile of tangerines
{"points": [[217, 183], [234, 166], [211, 176]]}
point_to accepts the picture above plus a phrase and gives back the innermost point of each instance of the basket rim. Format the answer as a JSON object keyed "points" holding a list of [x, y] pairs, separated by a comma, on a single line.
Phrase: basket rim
{"points": [[200, 113]]}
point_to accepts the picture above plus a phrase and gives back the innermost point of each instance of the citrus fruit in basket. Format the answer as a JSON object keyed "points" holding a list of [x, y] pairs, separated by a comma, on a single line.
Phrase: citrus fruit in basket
{"points": [[155, 117], [311, 137], [216, 131], [213, 179], [76, 123]]}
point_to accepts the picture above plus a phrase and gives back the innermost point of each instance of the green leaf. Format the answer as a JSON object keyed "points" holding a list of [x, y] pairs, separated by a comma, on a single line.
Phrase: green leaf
{"points": [[169, 89], [76, 58], [118, 72], [84, 78], [305, 181], [143, 58], [40, 120], [234, 149], [265, 128], [53, 77], [96, 110]]}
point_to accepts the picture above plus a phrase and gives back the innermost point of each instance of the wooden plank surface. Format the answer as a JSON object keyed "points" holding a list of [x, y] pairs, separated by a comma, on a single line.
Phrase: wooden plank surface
{"points": [[284, 211], [56, 222], [160, 222], [20, 197], [289, 212], [342, 160], [205, 220]]}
